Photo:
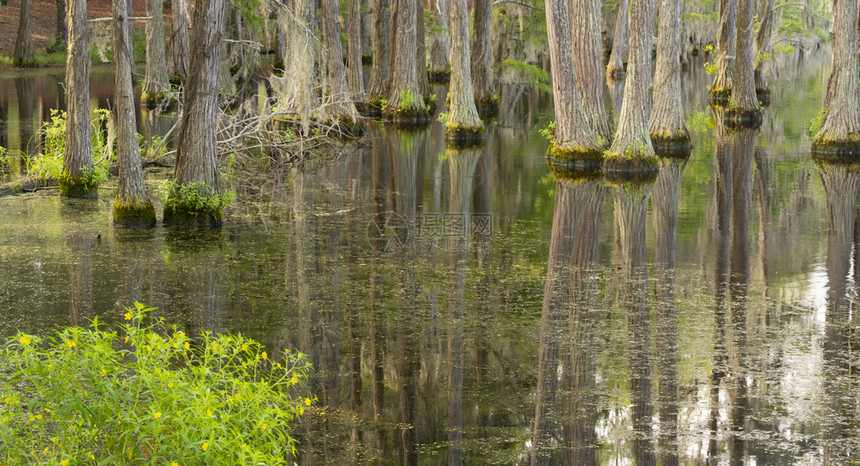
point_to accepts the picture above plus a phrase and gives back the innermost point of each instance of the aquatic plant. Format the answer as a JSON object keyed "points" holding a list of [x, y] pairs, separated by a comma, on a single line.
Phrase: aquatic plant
{"points": [[146, 393]]}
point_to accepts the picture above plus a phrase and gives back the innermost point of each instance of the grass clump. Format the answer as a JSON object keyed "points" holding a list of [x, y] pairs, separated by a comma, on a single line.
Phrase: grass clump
{"points": [[146, 394], [48, 165]]}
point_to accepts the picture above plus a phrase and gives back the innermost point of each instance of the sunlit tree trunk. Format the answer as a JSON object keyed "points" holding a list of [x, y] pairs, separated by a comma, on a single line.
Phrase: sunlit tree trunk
{"points": [[615, 68], [376, 91], [405, 101], [573, 141], [667, 127], [155, 84], [421, 57], [78, 177], [24, 53], [588, 60], [632, 150], [341, 107], [300, 93], [744, 109], [132, 206], [463, 126], [721, 88], [762, 45], [197, 153], [482, 60], [440, 43], [840, 129], [177, 63], [355, 75]]}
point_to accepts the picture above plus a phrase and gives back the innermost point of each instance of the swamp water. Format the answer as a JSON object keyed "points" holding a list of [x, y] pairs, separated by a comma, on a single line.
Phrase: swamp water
{"points": [[415, 279]]}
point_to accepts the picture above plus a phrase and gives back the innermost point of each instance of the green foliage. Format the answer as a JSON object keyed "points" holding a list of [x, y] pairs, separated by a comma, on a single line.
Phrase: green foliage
{"points": [[549, 131], [152, 149], [815, 124], [443, 117], [539, 77], [699, 121], [407, 100], [711, 67], [146, 394], [49, 163], [193, 198]]}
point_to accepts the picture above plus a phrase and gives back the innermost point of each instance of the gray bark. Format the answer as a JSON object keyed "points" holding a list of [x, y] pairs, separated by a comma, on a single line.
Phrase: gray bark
{"points": [[341, 106], [404, 94], [62, 34], [588, 59], [482, 54], [632, 140], [155, 82], [77, 157], [440, 44], [301, 93], [667, 115], [615, 68], [24, 54], [355, 76], [379, 69], [743, 82], [842, 117], [177, 64], [462, 111], [726, 45], [197, 154], [421, 50], [572, 132], [131, 197]]}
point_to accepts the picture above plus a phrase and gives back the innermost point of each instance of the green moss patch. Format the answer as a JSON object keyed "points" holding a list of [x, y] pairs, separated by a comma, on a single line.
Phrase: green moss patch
{"points": [[134, 215], [439, 77], [743, 118], [84, 187], [672, 145], [575, 158], [459, 137], [631, 163]]}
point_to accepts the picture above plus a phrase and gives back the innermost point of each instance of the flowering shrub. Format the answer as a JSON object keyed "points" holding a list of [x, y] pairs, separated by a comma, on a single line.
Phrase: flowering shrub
{"points": [[146, 394]]}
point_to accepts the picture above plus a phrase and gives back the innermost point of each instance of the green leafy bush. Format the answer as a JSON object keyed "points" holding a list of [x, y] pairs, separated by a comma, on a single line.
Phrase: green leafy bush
{"points": [[146, 394], [49, 163], [195, 198]]}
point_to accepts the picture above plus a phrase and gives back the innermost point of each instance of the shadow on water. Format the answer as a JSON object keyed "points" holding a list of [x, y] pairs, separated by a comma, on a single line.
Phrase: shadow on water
{"points": [[475, 307]]}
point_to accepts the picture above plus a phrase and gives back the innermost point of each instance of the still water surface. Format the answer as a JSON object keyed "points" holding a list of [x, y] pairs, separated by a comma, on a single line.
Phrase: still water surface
{"points": [[448, 299]]}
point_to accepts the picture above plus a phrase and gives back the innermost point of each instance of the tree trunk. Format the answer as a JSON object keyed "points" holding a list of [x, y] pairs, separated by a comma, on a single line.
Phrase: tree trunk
{"points": [[340, 106], [440, 43], [573, 141], [366, 28], [177, 64], [588, 59], [721, 89], [841, 126], [132, 206], [762, 44], [197, 153], [744, 109], [482, 60], [632, 150], [615, 68], [355, 76], [78, 176], [24, 53], [421, 56], [61, 37], [300, 95], [376, 90], [405, 103], [666, 126], [463, 125], [155, 84], [280, 48]]}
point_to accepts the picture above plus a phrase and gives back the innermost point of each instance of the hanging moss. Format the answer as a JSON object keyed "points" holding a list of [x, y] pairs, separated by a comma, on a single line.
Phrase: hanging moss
{"points": [[134, 215]]}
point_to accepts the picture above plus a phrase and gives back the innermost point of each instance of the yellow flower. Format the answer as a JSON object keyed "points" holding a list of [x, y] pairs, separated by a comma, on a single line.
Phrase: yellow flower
{"points": [[205, 446], [64, 463], [128, 316], [24, 340], [264, 426], [148, 348], [294, 381], [174, 464], [265, 356], [208, 412], [301, 410], [71, 344], [38, 416], [244, 347], [169, 384], [157, 415], [180, 333], [187, 345], [104, 372], [308, 401], [8, 400]]}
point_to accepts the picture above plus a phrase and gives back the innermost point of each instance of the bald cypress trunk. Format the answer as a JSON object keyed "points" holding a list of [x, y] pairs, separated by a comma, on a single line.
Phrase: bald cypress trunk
{"points": [[632, 150], [615, 68], [354, 73], [197, 155], [666, 126], [482, 60], [840, 130], [744, 109], [379, 43], [300, 95], [61, 37], [24, 53], [405, 102], [588, 60], [721, 89], [177, 64], [762, 44], [573, 140], [132, 206], [155, 84], [440, 43], [421, 56], [463, 126], [78, 171], [341, 106]]}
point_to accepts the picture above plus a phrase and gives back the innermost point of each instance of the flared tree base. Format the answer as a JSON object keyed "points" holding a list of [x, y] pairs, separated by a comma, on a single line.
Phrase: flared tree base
{"points": [[636, 178], [615, 74], [743, 117], [719, 97], [575, 158], [488, 108], [439, 77], [408, 118], [25, 63], [837, 151], [564, 171], [134, 216], [763, 96], [179, 216], [632, 162], [460, 137], [367, 59], [78, 188], [672, 146], [161, 99]]}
